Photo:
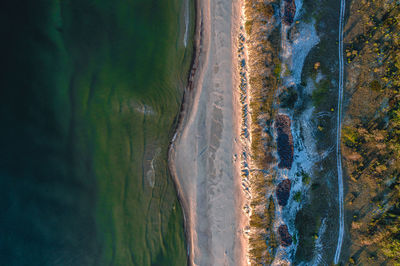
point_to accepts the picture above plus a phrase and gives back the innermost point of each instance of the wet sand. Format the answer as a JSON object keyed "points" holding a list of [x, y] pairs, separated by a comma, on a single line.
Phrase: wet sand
{"points": [[203, 148]]}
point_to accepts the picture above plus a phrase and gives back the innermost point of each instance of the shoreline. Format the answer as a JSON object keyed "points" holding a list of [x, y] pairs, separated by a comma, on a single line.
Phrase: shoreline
{"points": [[187, 100], [196, 212]]}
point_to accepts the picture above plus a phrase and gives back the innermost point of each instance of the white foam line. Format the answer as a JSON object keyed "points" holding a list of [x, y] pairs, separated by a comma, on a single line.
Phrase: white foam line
{"points": [[185, 37], [338, 137]]}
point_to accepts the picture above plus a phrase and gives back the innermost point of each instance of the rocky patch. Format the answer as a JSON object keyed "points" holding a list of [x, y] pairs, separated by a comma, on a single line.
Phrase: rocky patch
{"points": [[284, 235], [283, 192], [284, 141]]}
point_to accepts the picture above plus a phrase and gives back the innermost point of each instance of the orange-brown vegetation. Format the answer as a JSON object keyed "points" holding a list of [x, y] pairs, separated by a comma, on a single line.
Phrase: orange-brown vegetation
{"points": [[263, 75], [371, 135]]}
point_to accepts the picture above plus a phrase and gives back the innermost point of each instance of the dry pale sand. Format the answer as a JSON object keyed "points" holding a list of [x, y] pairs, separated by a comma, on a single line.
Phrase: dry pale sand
{"points": [[201, 155]]}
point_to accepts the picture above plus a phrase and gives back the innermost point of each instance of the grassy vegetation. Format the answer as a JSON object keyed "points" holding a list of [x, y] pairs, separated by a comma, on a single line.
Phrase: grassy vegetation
{"points": [[262, 92], [264, 72], [264, 10], [262, 238], [248, 26], [371, 139], [297, 196], [305, 178], [350, 136], [277, 70]]}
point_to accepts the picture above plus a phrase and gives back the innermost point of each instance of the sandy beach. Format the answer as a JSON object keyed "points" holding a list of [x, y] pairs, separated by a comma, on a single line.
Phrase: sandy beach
{"points": [[203, 148]]}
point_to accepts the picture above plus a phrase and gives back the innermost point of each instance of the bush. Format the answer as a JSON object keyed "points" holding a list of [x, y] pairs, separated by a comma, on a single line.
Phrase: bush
{"points": [[375, 85], [297, 196], [305, 178], [349, 136]]}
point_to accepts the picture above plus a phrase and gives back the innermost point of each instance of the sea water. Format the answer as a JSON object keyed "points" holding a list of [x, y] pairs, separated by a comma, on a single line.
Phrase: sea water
{"points": [[89, 94]]}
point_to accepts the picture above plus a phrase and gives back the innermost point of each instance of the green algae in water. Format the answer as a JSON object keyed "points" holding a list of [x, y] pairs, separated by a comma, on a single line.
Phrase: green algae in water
{"points": [[90, 90]]}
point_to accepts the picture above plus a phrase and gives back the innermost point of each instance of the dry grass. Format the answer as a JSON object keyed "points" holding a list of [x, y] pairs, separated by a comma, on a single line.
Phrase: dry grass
{"points": [[371, 136], [263, 65]]}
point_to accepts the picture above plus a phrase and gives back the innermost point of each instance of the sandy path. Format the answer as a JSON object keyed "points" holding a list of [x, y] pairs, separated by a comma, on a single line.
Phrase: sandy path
{"points": [[202, 151], [338, 137]]}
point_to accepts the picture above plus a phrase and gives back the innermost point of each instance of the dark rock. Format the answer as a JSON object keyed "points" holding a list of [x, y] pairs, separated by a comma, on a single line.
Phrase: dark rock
{"points": [[290, 12], [283, 192], [284, 235], [284, 141]]}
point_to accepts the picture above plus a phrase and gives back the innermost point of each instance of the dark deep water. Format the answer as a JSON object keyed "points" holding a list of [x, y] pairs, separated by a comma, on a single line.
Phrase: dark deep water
{"points": [[89, 92]]}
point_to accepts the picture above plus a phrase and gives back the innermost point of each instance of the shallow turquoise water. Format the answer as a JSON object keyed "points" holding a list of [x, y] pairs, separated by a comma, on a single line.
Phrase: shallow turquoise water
{"points": [[90, 90]]}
